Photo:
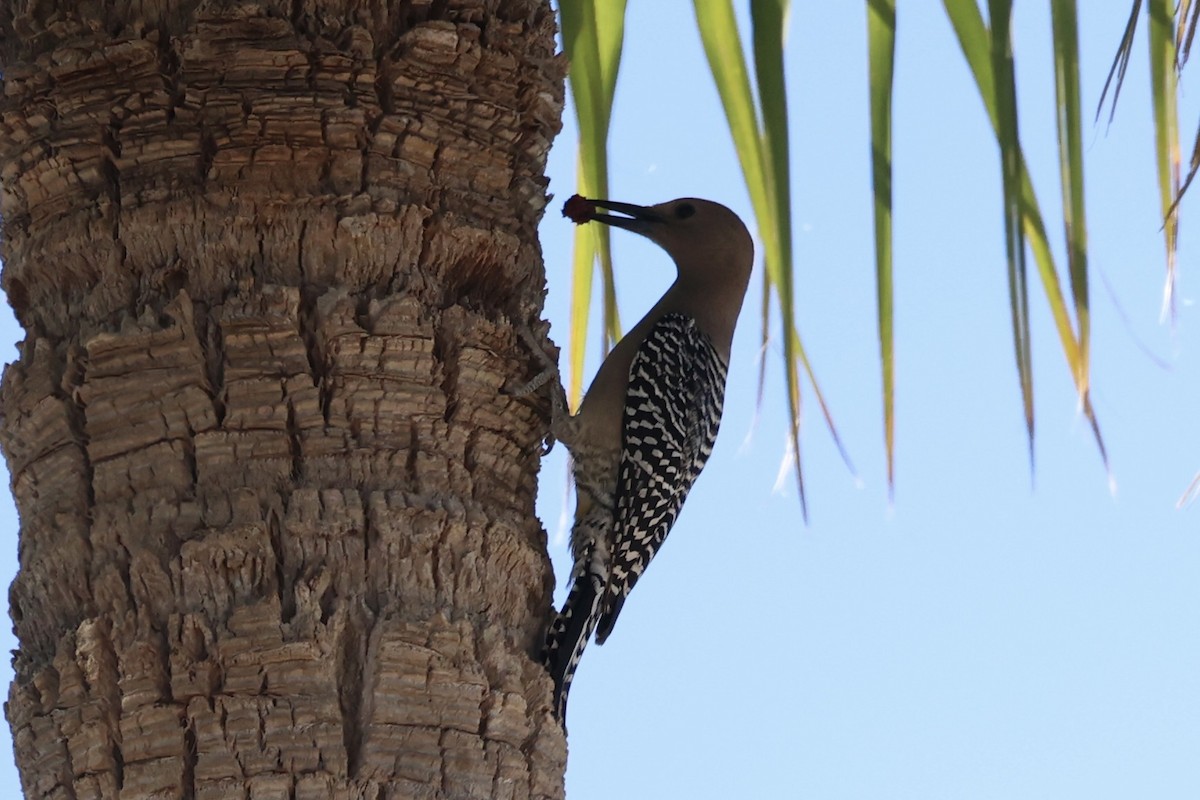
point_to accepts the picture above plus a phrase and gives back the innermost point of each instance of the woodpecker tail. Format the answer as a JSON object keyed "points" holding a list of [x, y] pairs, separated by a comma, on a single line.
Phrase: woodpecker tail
{"points": [[570, 631], [606, 619]]}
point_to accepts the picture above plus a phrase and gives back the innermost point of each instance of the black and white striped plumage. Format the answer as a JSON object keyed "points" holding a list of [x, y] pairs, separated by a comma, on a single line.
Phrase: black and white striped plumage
{"points": [[673, 410], [674, 398]]}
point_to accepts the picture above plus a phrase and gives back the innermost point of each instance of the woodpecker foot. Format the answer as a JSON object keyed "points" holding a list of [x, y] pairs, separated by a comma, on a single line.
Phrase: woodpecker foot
{"points": [[531, 386], [538, 346]]}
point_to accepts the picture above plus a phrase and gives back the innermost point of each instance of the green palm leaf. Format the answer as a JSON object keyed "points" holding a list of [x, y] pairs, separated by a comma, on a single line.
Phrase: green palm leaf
{"points": [[881, 50], [976, 42], [593, 34], [762, 150], [1164, 90]]}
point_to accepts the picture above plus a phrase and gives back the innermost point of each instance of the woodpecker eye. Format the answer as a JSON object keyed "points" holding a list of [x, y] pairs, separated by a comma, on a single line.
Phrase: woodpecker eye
{"points": [[684, 210]]}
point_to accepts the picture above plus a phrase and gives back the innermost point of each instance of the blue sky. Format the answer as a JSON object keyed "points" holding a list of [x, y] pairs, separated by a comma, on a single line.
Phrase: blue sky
{"points": [[990, 634]]}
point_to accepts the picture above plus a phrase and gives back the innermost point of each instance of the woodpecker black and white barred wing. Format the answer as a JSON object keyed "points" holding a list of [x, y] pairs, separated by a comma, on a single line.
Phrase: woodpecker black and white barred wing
{"points": [[672, 412]]}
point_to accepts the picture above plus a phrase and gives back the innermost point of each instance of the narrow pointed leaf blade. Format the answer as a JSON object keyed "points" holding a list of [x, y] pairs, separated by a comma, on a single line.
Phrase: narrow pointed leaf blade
{"points": [[881, 47], [769, 19], [583, 261], [1185, 31], [976, 44], [974, 39], [763, 155], [1163, 91], [1120, 63], [610, 36], [1008, 136], [1193, 167], [726, 60], [1064, 22], [802, 357], [593, 34]]}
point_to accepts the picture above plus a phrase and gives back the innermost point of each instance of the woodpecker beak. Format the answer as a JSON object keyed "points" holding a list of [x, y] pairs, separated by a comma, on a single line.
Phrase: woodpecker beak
{"points": [[639, 219]]}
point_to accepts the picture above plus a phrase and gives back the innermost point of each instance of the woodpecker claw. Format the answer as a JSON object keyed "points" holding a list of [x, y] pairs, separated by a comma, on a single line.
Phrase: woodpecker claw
{"points": [[549, 375], [515, 389]]}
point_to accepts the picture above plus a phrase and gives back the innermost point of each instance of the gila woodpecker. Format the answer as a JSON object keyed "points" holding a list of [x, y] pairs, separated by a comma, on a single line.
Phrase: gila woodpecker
{"points": [[647, 424]]}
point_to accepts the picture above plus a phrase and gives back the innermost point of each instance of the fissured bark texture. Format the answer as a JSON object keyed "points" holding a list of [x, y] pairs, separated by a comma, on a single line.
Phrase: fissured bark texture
{"points": [[277, 528]]}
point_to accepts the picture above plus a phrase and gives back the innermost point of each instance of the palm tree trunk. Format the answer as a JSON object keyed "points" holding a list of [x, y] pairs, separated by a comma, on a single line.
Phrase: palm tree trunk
{"points": [[277, 530]]}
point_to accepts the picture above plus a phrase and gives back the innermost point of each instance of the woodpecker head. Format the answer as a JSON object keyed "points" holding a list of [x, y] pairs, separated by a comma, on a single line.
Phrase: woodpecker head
{"points": [[697, 234]]}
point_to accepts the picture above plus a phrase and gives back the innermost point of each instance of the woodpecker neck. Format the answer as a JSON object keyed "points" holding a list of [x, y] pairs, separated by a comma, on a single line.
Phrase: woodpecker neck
{"points": [[704, 294]]}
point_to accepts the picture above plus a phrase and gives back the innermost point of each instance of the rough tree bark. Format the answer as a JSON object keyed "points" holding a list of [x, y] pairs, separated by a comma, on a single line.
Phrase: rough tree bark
{"points": [[277, 529]]}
